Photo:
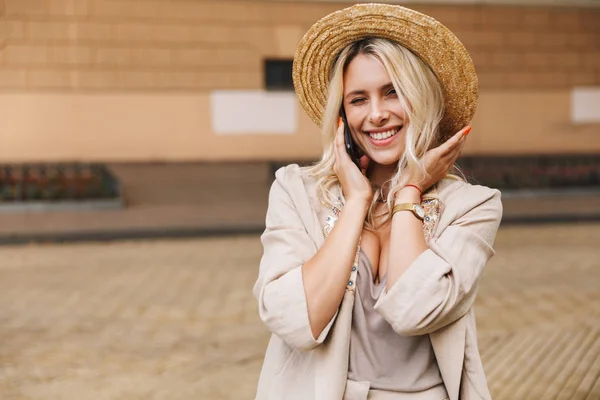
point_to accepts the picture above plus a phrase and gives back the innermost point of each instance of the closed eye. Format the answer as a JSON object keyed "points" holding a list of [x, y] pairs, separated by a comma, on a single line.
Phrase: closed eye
{"points": [[357, 100]]}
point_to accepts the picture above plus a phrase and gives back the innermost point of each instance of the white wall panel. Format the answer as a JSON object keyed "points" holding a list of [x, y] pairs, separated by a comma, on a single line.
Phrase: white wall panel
{"points": [[585, 105], [243, 112]]}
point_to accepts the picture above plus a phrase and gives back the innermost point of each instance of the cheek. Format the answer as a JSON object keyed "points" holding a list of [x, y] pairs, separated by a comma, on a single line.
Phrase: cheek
{"points": [[398, 109], [355, 119]]}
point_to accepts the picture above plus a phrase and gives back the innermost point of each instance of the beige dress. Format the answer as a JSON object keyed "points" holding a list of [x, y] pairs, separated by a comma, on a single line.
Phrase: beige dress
{"points": [[380, 360]]}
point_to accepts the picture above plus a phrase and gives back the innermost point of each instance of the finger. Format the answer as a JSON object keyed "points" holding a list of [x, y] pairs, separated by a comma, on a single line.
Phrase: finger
{"points": [[457, 145], [336, 159], [455, 154], [338, 146], [460, 148], [452, 156], [455, 149], [364, 164], [455, 140], [339, 137], [459, 138]]}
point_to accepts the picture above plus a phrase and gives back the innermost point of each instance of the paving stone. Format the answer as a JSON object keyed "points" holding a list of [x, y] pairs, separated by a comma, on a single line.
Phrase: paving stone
{"points": [[176, 319]]}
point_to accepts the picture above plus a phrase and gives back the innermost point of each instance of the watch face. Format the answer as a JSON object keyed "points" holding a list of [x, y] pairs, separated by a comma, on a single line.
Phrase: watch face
{"points": [[420, 212]]}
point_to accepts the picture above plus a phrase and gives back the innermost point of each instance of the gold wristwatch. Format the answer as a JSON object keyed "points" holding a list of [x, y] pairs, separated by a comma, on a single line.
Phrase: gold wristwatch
{"points": [[415, 208]]}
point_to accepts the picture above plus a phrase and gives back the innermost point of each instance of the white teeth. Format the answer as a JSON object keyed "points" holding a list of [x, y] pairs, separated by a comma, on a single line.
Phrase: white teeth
{"points": [[383, 135]]}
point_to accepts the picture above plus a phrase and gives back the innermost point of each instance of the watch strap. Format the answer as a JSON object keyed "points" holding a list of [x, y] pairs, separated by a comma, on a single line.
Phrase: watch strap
{"points": [[407, 207]]}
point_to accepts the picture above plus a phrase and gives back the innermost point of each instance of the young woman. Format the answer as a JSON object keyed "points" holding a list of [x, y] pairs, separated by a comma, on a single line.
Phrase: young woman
{"points": [[370, 267]]}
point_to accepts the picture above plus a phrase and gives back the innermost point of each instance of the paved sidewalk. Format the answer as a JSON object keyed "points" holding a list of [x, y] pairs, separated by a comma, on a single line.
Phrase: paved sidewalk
{"points": [[188, 200], [175, 319]]}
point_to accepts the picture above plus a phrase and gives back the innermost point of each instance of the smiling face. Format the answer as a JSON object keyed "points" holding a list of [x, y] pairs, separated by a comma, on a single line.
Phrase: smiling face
{"points": [[374, 111]]}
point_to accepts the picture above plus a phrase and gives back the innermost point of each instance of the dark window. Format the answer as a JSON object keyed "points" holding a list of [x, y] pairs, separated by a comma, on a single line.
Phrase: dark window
{"points": [[278, 75]]}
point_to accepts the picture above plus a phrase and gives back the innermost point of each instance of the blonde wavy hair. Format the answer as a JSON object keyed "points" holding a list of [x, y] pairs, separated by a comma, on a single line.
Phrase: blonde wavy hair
{"points": [[422, 99]]}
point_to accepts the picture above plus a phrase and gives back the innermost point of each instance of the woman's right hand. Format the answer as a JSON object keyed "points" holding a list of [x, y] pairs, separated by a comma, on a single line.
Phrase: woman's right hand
{"points": [[355, 184]]}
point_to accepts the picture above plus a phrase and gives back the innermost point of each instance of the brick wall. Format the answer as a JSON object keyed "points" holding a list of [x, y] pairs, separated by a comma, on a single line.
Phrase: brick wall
{"points": [[133, 80], [201, 45], [3, 32], [530, 47]]}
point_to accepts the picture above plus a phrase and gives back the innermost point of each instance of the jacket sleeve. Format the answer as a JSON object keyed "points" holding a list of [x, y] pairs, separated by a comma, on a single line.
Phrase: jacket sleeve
{"points": [[280, 288], [439, 287]]}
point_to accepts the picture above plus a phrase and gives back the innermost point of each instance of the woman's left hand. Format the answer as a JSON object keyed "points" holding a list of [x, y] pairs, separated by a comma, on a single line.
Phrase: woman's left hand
{"points": [[438, 161]]}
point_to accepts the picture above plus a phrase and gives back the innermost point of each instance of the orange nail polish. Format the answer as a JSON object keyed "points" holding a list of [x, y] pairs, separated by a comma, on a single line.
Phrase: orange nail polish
{"points": [[340, 122], [466, 132]]}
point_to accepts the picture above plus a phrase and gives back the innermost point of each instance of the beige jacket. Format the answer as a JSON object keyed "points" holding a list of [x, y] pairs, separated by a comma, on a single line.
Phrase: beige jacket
{"points": [[434, 296]]}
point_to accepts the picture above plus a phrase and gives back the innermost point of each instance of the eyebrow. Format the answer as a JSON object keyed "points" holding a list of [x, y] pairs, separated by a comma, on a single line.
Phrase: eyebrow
{"points": [[382, 88]]}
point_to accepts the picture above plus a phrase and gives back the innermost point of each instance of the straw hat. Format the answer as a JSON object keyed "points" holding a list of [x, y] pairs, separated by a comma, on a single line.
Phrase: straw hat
{"points": [[435, 44]]}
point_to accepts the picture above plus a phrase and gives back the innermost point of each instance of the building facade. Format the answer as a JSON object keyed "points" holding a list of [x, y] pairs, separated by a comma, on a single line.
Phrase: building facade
{"points": [[184, 80]]}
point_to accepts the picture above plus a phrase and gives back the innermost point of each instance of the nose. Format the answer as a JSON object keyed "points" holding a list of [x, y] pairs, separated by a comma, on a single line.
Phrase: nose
{"points": [[378, 115]]}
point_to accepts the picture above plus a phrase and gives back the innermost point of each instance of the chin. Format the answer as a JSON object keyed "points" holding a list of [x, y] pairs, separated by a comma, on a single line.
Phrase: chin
{"points": [[385, 158], [385, 162]]}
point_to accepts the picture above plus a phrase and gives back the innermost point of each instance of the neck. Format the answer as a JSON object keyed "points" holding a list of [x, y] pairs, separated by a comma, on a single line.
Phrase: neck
{"points": [[378, 174]]}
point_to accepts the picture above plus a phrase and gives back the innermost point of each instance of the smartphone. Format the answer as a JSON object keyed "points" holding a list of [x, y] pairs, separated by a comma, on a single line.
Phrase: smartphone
{"points": [[351, 147]]}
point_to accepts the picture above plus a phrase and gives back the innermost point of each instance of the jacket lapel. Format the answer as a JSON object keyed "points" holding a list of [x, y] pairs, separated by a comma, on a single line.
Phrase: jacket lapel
{"points": [[449, 342]]}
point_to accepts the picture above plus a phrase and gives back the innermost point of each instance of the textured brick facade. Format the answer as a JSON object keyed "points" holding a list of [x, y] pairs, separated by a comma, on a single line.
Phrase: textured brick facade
{"points": [[134, 80], [191, 45], [3, 31]]}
